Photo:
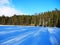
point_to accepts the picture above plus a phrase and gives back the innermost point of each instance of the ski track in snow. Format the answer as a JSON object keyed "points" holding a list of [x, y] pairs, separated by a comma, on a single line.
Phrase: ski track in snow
{"points": [[22, 35]]}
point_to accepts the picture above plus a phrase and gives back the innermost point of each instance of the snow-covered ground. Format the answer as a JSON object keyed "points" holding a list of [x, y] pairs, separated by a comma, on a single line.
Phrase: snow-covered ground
{"points": [[29, 35]]}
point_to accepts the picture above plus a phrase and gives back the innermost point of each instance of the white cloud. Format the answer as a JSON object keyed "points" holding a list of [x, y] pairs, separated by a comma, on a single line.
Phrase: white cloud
{"points": [[7, 9], [4, 2]]}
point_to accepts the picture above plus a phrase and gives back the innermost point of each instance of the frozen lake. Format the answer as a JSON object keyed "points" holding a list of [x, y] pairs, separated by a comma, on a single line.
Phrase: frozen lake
{"points": [[29, 35]]}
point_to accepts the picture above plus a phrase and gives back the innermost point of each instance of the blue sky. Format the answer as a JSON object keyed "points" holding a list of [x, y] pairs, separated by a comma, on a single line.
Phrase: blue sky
{"points": [[36, 6], [27, 6]]}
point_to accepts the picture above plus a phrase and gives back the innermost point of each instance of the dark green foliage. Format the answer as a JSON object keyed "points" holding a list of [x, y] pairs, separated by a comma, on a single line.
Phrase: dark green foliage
{"points": [[50, 18]]}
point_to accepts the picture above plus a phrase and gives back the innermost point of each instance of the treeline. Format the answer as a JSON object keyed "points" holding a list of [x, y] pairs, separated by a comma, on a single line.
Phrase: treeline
{"points": [[50, 18]]}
